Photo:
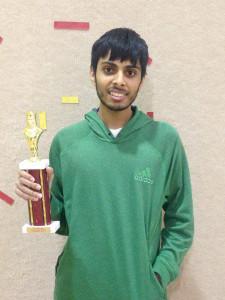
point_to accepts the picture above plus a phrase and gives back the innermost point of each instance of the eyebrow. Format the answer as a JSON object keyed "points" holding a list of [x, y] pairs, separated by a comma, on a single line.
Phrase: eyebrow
{"points": [[109, 62]]}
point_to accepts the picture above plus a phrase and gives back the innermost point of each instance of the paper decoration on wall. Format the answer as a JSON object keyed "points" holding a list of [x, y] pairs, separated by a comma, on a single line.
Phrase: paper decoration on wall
{"points": [[71, 25], [70, 99], [150, 114], [1, 39], [149, 60], [6, 198]]}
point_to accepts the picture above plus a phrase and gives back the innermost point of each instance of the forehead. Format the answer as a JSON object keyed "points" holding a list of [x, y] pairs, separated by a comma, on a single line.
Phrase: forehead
{"points": [[118, 62]]}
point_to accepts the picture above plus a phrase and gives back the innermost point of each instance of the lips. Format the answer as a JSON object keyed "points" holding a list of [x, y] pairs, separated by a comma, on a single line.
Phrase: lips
{"points": [[118, 94]]}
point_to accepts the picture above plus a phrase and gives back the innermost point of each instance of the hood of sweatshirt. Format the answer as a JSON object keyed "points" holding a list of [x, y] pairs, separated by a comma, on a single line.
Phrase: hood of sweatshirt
{"points": [[135, 123]]}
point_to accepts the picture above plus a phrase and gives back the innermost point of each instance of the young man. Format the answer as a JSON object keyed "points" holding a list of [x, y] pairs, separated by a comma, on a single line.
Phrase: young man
{"points": [[115, 172]]}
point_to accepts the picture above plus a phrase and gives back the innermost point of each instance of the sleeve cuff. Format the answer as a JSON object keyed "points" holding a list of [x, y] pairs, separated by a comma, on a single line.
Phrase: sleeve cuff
{"points": [[162, 269]]}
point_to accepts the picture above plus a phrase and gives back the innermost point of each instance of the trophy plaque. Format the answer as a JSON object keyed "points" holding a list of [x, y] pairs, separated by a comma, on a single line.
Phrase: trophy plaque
{"points": [[39, 211]]}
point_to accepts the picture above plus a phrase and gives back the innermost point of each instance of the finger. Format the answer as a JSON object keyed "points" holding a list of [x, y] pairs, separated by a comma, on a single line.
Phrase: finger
{"points": [[50, 173], [27, 193], [32, 185], [26, 175], [24, 195]]}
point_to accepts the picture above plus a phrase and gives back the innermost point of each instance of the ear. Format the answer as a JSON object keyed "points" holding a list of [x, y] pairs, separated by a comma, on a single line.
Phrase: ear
{"points": [[92, 75]]}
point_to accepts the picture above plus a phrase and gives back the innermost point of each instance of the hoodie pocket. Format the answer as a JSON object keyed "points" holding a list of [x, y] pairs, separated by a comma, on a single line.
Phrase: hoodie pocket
{"points": [[156, 284]]}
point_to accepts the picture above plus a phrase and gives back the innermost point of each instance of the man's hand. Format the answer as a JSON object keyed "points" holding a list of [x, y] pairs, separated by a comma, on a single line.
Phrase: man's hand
{"points": [[27, 189], [158, 278]]}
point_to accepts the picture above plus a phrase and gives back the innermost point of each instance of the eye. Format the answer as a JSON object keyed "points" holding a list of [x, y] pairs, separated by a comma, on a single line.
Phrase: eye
{"points": [[131, 72], [108, 70]]}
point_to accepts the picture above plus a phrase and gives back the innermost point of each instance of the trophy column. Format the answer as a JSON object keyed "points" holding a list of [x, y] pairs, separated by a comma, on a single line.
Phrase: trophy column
{"points": [[39, 211]]}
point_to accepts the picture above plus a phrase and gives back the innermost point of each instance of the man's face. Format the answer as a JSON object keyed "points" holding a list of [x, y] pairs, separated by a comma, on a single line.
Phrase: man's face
{"points": [[117, 83]]}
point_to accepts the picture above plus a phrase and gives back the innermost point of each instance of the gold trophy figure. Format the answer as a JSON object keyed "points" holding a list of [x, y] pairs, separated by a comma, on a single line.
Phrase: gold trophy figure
{"points": [[32, 133], [39, 211]]}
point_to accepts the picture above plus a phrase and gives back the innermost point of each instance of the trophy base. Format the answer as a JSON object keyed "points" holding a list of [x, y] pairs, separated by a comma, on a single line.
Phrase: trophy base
{"points": [[52, 228]]}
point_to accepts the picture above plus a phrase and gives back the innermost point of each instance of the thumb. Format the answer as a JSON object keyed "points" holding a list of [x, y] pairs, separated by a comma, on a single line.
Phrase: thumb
{"points": [[50, 175]]}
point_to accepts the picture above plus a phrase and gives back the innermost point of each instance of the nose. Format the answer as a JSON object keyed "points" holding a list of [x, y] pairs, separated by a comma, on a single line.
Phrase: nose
{"points": [[119, 78]]}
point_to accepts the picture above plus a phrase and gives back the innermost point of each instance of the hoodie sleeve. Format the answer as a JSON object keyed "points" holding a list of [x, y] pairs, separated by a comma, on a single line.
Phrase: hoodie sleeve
{"points": [[57, 201], [177, 234]]}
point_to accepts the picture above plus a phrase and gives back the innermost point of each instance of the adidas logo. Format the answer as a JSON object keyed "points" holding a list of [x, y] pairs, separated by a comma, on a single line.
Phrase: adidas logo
{"points": [[144, 176]]}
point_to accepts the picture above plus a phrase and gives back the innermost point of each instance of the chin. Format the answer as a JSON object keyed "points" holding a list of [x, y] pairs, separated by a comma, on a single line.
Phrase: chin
{"points": [[118, 107]]}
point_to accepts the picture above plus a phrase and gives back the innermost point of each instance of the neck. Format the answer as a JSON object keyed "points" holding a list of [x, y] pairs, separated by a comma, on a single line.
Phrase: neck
{"points": [[114, 119]]}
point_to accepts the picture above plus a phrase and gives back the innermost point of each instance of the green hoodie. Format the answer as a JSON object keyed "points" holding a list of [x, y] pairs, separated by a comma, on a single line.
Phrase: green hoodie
{"points": [[109, 194]]}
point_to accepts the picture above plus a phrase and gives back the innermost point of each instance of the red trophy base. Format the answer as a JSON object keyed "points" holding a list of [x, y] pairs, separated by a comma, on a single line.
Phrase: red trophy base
{"points": [[39, 211]]}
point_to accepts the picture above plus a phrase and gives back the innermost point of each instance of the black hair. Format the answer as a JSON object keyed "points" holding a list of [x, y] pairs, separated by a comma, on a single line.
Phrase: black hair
{"points": [[123, 44]]}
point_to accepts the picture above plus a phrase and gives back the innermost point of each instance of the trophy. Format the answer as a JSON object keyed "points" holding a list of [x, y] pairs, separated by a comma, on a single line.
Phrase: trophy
{"points": [[39, 211]]}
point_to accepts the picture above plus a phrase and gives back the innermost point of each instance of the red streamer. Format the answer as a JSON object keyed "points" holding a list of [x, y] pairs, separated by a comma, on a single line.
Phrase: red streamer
{"points": [[71, 25], [6, 198], [150, 114]]}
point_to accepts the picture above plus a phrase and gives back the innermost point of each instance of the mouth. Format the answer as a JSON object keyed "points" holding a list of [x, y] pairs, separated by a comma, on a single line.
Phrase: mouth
{"points": [[118, 94]]}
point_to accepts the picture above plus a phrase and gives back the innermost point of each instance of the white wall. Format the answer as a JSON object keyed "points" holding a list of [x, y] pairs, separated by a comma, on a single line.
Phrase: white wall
{"points": [[185, 86]]}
